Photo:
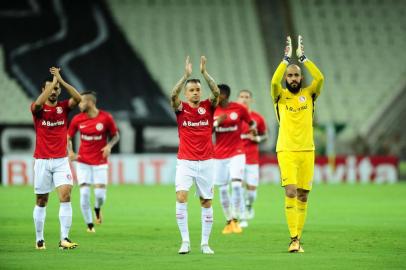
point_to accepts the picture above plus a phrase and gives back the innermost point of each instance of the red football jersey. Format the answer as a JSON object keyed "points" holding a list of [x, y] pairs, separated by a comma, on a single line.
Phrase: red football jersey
{"points": [[94, 133], [195, 127], [228, 133], [51, 124], [251, 148]]}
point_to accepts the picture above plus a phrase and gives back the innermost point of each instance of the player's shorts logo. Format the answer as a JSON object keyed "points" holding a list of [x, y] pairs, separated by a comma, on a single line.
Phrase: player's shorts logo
{"points": [[59, 110], [99, 126], [302, 98], [201, 110], [233, 116]]}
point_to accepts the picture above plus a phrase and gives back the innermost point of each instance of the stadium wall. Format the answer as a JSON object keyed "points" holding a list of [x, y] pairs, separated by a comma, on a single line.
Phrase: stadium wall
{"points": [[152, 169]]}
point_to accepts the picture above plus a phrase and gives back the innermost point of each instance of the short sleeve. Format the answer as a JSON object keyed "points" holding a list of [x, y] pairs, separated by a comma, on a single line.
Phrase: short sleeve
{"points": [[73, 127]]}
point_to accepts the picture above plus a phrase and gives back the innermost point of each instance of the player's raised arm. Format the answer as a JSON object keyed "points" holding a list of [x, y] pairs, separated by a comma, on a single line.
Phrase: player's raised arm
{"points": [[75, 96], [277, 77], [175, 100], [215, 91], [318, 78], [39, 103]]}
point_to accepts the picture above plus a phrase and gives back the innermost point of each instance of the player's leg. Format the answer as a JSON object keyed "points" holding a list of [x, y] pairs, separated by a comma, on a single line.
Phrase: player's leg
{"points": [[288, 169], [100, 175], [237, 169], [84, 176], [183, 182], [221, 180], [305, 179], [42, 187], [62, 178], [252, 179], [204, 186]]}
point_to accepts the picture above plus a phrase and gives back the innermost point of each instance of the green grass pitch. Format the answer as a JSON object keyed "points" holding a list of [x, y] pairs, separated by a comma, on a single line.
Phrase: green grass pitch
{"points": [[348, 227]]}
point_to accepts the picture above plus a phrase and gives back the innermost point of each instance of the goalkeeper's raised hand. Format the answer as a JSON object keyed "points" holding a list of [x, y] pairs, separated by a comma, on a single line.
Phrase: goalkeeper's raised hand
{"points": [[300, 50], [288, 50]]}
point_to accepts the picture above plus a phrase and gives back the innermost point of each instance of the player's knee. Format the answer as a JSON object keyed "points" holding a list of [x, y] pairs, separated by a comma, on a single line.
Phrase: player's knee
{"points": [[302, 196], [42, 201], [290, 192], [181, 197], [65, 197], [206, 203]]}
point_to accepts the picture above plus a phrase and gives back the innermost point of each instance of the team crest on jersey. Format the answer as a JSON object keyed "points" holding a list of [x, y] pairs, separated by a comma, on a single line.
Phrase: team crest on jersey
{"points": [[302, 98], [99, 126], [233, 116], [59, 110], [201, 110]]}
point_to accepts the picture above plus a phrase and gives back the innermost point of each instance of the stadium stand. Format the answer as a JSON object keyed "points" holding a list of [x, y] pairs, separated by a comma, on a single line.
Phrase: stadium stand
{"points": [[227, 32], [358, 45]]}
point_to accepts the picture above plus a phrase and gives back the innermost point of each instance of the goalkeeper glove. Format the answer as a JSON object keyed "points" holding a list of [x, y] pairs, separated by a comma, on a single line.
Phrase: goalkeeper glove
{"points": [[300, 50], [288, 50]]}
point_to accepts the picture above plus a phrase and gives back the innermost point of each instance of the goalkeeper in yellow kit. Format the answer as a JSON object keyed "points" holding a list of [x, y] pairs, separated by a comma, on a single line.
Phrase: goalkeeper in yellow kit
{"points": [[294, 106]]}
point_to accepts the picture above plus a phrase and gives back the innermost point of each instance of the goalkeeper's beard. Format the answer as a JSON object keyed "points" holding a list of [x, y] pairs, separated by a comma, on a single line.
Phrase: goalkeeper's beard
{"points": [[293, 89]]}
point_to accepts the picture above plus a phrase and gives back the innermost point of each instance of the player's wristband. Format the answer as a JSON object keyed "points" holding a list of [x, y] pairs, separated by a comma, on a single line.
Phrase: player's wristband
{"points": [[216, 123], [287, 59], [302, 58]]}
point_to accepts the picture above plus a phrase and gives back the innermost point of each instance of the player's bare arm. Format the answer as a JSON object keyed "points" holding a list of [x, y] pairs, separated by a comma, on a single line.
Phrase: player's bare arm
{"points": [[215, 91], [276, 85], [71, 153], [39, 103], [75, 96], [107, 149], [175, 100], [318, 78]]}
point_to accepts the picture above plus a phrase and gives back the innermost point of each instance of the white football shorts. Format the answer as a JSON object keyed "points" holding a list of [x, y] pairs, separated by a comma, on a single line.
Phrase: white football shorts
{"points": [[252, 174], [228, 168], [198, 171], [92, 174], [51, 173]]}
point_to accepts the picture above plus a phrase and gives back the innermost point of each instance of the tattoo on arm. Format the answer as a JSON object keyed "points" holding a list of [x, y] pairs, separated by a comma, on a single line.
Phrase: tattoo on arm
{"points": [[114, 140], [175, 101], [215, 92]]}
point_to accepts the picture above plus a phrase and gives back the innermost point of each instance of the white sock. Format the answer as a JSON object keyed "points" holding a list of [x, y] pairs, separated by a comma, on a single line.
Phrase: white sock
{"points": [[237, 198], [251, 196], [207, 223], [99, 197], [181, 219], [39, 215], [225, 201], [85, 204], [65, 218]]}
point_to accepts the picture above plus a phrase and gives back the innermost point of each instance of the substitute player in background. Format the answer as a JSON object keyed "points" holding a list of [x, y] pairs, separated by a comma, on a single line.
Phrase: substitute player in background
{"points": [[251, 148], [95, 126], [51, 165], [194, 164], [229, 157], [295, 146]]}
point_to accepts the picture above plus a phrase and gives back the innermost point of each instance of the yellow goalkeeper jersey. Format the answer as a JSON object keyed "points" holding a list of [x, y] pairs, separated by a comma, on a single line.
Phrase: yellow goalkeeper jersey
{"points": [[295, 111]]}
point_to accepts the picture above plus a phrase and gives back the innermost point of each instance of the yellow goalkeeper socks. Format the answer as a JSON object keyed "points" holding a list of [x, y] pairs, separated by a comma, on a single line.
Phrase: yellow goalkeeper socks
{"points": [[291, 215], [301, 216]]}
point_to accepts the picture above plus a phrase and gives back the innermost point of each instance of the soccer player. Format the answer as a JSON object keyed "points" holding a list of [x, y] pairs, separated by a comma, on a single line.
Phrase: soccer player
{"points": [[194, 164], [294, 106], [229, 157], [251, 147], [51, 167], [95, 126]]}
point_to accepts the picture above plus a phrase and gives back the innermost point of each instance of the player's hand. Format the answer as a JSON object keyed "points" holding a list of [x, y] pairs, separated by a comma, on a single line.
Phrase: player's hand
{"points": [[72, 156], [188, 67], [203, 61], [106, 151], [300, 49], [288, 49], [253, 131], [56, 72], [219, 119]]}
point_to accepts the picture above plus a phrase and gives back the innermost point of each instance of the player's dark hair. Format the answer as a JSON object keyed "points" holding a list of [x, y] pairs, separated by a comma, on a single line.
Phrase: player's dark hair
{"points": [[47, 79], [91, 93], [245, 91], [224, 89], [192, 81]]}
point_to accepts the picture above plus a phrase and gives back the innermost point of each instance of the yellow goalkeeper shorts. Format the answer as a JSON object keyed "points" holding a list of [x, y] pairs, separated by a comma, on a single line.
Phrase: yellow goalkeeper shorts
{"points": [[296, 168]]}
